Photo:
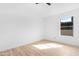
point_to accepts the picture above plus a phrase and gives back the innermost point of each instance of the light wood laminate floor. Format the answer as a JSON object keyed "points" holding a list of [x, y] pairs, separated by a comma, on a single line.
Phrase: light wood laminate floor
{"points": [[42, 48]]}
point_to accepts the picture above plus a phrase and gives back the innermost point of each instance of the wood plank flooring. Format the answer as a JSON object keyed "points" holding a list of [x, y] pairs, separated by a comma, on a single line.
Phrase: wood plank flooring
{"points": [[30, 50]]}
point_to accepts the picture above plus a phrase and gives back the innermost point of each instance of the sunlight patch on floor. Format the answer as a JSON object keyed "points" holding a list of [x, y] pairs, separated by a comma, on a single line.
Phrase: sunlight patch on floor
{"points": [[47, 45]]}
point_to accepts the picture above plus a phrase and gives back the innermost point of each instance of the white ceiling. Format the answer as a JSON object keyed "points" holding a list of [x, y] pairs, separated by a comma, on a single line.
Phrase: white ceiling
{"points": [[44, 10], [57, 8], [40, 10]]}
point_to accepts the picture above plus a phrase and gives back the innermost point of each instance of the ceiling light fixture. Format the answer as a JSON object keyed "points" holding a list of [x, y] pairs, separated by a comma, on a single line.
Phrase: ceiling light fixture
{"points": [[45, 3]]}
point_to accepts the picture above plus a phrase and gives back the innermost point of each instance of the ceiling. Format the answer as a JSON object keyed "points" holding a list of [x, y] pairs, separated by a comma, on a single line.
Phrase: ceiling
{"points": [[57, 8], [40, 10]]}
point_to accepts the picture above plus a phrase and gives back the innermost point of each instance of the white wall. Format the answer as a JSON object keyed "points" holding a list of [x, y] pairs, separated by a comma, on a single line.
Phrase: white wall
{"points": [[53, 28], [20, 24], [25, 23]]}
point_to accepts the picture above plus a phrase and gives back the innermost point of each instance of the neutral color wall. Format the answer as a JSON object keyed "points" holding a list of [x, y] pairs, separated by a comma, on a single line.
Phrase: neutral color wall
{"points": [[25, 23], [53, 28], [20, 24]]}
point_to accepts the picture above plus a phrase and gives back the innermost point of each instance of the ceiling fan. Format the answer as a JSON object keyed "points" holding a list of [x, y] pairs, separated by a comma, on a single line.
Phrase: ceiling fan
{"points": [[45, 3]]}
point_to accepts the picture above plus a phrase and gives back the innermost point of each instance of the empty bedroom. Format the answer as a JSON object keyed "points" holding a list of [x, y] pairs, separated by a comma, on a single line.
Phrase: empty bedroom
{"points": [[39, 29]]}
